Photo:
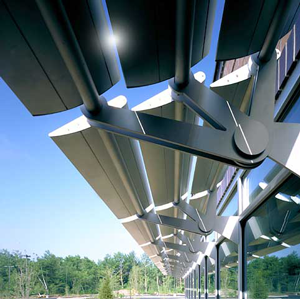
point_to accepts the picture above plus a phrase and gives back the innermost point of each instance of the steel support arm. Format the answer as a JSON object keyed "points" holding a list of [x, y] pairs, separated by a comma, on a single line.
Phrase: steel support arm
{"points": [[62, 33], [185, 137], [246, 141], [170, 245], [194, 246], [178, 223]]}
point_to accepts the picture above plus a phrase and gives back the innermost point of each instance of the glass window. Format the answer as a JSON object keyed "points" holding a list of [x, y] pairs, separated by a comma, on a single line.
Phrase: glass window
{"points": [[231, 209], [211, 279], [273, 245], [258, 178], [197, 281], [211, 237], [293, 116], [202, 279], [229, 269]]}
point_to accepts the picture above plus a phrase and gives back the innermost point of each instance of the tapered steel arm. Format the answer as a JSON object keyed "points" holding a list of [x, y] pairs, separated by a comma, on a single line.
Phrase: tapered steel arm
{"points": [[185, 137]]}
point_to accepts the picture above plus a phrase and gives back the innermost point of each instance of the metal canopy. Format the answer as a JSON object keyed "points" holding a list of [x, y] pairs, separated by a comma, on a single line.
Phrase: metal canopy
{"points": [[156, 166], [125, 194], [32, 65], [148, 29]]}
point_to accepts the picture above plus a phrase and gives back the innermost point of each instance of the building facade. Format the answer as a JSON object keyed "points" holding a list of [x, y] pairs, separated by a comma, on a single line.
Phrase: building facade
{"points": [[266, 262]]}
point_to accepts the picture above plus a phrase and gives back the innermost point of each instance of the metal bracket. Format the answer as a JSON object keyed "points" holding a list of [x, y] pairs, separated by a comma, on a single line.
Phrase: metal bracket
{"points": [[246, 140], [201, 224], [196, 245], [171, 245]]}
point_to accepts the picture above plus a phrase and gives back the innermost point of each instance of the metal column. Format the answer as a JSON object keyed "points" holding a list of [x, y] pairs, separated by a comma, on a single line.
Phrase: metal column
{"points": [[195, 284], [199, 281], [205, 278], [185, 16], [242, 264], [61, 30], [218, 272], [189, 289], [193, 277], [191, 294], [192, 290]]}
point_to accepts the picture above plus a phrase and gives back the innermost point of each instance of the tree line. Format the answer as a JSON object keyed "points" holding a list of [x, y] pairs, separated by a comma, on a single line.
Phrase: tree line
{"points": [[266, 276], [23, 275], [274, 275]]}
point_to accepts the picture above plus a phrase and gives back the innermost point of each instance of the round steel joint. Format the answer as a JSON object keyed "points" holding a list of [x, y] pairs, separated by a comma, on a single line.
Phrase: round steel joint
{"points": [[204, 230], [251, 139]]}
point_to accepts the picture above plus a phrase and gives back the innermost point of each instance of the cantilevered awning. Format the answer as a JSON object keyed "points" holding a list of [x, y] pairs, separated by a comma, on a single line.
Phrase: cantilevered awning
{"points": [[31, 63], [163, 194], [131, 176]]}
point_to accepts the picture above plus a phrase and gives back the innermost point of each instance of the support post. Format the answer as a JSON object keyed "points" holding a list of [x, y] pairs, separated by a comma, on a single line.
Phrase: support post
{"points": [[218, 272], [185, 287], [62, 33], [189, 286], [199, 281], [242, 262], [205, 278], [195, 284], [280, 19], [193, 290], [190, 293], [185, 15]]}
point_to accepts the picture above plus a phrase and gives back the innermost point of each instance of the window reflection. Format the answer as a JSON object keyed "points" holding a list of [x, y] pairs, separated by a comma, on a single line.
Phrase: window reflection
{"points": [[229, 269], [293, 115], [259, 178], [211, 278], [202, 279], [231, 208], [211, 237], [273, 244]]}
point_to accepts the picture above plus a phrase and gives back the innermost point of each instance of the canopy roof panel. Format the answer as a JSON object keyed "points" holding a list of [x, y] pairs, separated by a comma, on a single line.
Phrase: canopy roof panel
{"points": [[32, 65], [245, 25], [148, 29]]}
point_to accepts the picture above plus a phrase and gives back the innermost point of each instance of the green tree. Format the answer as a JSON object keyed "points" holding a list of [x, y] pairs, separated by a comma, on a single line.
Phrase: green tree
{"points": [[52, 275], [25, 276], [258, 287], [105, 289], [135, 278]]}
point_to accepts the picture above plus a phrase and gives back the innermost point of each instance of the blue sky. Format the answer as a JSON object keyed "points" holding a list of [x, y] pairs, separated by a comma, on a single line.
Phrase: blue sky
{"points": [[45, 204]]}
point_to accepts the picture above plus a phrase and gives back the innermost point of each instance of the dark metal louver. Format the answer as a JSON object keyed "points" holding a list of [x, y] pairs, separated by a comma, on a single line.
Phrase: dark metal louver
{"points": [[31, 64], [146, 33]]}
